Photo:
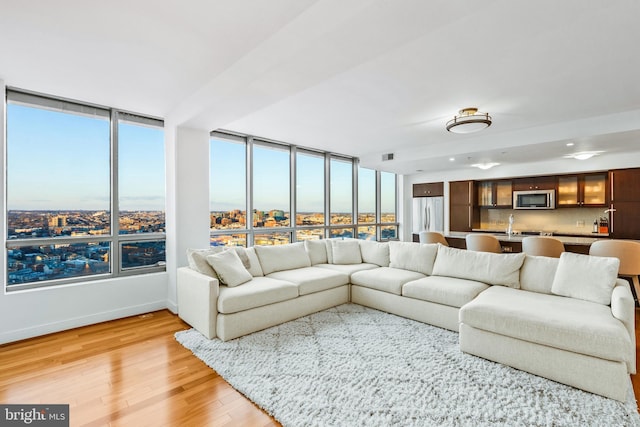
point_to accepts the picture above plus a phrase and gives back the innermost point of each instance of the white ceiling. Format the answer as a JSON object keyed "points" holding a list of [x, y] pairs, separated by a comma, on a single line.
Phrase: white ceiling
{"points": [[357, 77]]}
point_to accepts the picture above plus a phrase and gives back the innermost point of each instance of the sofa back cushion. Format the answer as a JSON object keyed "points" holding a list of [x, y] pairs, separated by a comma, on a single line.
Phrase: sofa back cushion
{"points": [[375, 252], [345, 252], [412, 256], [537, 273], [317, 251], [485, 267], [197, 259], [586, 277], [254, 263], [282, 257]]}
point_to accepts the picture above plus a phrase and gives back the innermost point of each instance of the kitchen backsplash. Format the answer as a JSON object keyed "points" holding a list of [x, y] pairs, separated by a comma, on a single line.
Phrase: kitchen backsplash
{"points": [[569, 220]]}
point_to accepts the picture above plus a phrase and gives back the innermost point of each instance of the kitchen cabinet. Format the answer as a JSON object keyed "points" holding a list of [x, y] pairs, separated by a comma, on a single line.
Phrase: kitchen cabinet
{"points": [[495, 194], [588, 190], [534, 183], [429, 189], [624, 222], [464, 214]]}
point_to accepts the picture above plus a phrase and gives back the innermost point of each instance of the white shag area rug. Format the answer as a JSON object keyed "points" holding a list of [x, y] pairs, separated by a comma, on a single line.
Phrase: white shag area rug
{"points": [[355, 366]]}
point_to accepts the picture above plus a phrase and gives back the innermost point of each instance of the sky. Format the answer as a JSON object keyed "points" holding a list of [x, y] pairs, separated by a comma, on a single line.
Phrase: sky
{"points": [[271, 181], [61, 161]]}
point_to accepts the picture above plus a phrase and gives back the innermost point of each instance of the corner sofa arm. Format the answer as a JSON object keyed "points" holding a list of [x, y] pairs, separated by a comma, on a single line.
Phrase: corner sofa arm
{"points": [[623, 308], [198, 300]]}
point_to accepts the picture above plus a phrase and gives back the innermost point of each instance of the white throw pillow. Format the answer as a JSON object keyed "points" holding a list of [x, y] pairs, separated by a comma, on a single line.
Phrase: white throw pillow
{"points": [[229, 267], [282, 257], [317, 251], [485, 267], [413, 256], [197, 259], [537, 273], [346, 252], [586, 277], [375, 252]]}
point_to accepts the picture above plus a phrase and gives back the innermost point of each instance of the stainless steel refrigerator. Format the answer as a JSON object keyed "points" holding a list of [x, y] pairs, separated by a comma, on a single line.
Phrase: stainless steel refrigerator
{"points": [[428, 214]]}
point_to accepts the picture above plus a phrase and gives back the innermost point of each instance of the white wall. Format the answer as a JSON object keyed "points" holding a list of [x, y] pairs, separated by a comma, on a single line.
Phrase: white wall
{"points": [[24, 314], [554, 167], [187, 198]]}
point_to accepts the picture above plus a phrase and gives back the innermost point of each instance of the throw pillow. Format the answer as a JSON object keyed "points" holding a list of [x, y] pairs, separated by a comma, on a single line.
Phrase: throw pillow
{"points": [[229, 268], [413, 256], [586, 277], [485, 267], [317, 251], [197, 259], [254, 264], [346, 252], [282, 257], [375, 252]]}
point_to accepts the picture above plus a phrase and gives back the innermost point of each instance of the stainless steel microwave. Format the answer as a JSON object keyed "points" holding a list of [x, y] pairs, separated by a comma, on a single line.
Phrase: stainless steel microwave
{"points": [[534, 199]]}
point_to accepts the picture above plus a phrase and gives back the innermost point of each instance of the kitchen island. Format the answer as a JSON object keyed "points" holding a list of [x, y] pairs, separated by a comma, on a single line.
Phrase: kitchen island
{"points": [[513, 243]]}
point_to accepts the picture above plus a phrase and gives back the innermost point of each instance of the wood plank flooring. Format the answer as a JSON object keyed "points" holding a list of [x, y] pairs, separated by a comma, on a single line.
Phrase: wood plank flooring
{"points": [[131, 372]]}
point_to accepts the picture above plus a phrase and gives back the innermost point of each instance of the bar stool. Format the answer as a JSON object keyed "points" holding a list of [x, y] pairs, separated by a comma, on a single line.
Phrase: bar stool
{"points": [[628, 252], [542, 246], [483, 243], [432, 237]]}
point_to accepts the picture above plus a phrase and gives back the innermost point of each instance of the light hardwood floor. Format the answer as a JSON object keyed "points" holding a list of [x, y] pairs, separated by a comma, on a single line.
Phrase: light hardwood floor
{"points": [[131, 372]]}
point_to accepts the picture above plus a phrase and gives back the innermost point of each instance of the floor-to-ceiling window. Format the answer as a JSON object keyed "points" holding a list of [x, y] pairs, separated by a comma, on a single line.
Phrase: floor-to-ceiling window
{"points": [[294, 194], [85, 192]]}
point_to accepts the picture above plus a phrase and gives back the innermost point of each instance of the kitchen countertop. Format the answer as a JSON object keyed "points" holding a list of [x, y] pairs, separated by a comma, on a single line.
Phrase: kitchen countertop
{"points": [[567, 240]]}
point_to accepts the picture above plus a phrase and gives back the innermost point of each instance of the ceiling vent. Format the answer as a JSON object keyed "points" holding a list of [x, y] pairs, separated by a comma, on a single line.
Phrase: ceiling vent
{"points": [[387, 157]]}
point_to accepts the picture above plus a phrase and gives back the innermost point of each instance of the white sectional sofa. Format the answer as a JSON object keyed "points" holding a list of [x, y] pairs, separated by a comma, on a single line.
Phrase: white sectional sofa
{"points": [[569, 319]]}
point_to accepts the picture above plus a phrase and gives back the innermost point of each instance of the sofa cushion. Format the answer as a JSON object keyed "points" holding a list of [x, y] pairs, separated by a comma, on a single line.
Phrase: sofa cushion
{"points": [[537, 273], [257, 292], [444, 290], [254, 264], [566, 323], [586, 277], [312, 279], [387, 279], [347, 268], [486, 267], [412, 256], [282, 257], [229, 268], [345, 252], [197, 258], [317, 251], [375, 252]]}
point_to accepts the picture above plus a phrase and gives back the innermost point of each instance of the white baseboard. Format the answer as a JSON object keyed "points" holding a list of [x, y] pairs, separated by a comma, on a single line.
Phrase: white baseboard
{"points": [[76, 322], [172, 306]]}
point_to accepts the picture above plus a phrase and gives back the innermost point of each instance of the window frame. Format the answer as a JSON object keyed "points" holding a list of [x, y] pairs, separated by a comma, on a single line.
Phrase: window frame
{"points": [[293, 229], [115, 239]]}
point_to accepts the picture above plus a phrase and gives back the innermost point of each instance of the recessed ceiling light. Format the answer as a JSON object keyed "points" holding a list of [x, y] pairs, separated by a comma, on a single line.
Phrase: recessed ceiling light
{"points": [[485, 166], [583, 155], [452, 159], [570, 144], [419, 170]]}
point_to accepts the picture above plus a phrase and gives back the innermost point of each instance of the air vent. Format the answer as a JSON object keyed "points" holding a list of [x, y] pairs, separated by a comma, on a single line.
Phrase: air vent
{"points": [[386, 157]]}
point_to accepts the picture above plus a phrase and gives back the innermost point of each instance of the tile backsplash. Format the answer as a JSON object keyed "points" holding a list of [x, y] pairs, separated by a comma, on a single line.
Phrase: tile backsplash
{"points": [[568, 220]]}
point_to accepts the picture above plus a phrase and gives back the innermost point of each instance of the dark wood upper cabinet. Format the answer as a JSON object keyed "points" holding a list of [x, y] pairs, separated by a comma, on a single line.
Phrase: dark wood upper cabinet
{"points": [[535, 183], [429, 189], [587, 190]]}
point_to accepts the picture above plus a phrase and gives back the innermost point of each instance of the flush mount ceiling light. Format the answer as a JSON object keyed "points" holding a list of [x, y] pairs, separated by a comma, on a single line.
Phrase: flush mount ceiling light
{"points": [[469, 120], [485, 166], [583, 155]]}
